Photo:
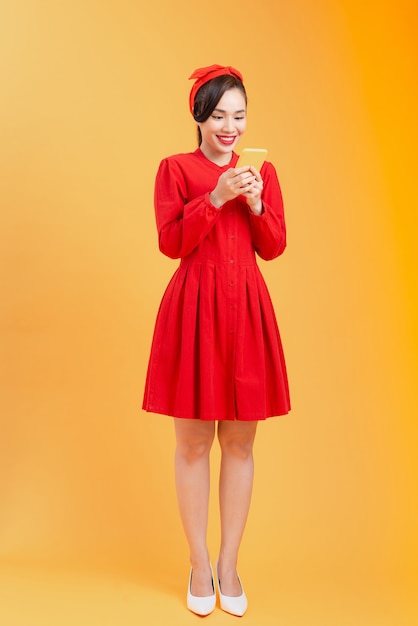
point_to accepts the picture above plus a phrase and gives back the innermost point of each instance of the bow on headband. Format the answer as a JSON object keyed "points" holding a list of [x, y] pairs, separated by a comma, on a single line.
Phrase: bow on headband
{"points": [[205, 74]]}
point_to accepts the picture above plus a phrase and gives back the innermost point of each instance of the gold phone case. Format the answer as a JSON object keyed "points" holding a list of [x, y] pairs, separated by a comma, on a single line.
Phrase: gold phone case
{"points": [[252, 156]]}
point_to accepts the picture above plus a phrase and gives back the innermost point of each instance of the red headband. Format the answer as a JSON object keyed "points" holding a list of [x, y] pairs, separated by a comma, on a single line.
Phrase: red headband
{"points": [[205, 74]]}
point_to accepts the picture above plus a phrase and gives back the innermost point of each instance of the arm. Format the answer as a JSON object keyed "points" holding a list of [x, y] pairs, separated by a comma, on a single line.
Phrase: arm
{"points": [[268, 229], [181, 224]]}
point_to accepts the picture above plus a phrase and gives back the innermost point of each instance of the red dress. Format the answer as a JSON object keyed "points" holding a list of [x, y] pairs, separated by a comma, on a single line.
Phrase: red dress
{"points": [[216, 352]]}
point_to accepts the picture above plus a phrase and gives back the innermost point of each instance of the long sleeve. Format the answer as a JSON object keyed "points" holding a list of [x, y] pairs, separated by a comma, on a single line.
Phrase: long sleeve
{"points": [[181, 224], [268, 230]]}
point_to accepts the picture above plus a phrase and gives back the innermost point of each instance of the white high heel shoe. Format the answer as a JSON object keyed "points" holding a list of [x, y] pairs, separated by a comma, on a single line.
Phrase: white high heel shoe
{"points": [[235, 605], [201, 605]]}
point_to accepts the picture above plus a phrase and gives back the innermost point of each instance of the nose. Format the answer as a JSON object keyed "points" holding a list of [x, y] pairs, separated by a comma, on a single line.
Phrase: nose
{"points": [[228, 123]]}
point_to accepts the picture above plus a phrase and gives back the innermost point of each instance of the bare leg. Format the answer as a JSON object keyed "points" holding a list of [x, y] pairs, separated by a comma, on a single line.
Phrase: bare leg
{"points": [[235, 488], [194, 441]]}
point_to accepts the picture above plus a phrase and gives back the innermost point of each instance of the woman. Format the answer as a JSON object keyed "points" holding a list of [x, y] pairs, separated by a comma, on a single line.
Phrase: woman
{"points": [[216, 356]]}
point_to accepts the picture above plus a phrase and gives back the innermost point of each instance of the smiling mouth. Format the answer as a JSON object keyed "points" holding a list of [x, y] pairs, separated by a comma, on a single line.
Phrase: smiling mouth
{"points": [[227, 140]]}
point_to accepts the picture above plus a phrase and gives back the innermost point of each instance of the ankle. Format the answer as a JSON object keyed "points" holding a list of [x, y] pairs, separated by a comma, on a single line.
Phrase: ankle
{"points": [[200, 560], [227, 562]]}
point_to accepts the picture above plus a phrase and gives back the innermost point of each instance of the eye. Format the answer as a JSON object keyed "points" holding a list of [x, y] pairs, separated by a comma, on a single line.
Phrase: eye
{"points": [[240, 118], [217, 117]]}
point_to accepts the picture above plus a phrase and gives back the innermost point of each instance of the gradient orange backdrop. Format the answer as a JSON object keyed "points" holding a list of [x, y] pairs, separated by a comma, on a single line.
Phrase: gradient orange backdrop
{"points": [[92, 95]]}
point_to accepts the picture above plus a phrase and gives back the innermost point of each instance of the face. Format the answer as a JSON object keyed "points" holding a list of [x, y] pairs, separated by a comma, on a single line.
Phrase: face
{"points": [[224, 127]]}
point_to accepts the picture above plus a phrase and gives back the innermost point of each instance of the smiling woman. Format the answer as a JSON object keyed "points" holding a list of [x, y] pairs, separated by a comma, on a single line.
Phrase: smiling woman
{"points": [[216, 354], [93, 94]]}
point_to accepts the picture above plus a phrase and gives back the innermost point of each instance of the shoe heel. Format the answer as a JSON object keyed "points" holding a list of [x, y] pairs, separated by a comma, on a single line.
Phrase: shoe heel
{"points": [[235, 605], [201, 605]]}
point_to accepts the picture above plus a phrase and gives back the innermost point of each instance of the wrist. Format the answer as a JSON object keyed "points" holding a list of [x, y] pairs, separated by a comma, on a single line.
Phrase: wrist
{"points": [[217, 203], [257, 208]]}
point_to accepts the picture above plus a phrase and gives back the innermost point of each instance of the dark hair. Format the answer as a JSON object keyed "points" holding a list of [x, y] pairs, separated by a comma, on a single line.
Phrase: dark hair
{"points": [[209, 95]]}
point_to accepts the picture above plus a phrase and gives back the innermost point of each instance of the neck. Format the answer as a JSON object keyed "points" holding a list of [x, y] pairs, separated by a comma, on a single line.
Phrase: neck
{"points": [[219, 159]]}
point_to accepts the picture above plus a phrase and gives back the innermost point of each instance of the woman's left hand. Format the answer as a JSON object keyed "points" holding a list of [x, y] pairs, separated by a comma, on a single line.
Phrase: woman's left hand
{"points": [[253, 193]]}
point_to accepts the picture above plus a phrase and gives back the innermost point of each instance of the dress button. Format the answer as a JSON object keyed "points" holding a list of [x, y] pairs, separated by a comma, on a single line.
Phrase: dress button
{"points": [[231, 261]]}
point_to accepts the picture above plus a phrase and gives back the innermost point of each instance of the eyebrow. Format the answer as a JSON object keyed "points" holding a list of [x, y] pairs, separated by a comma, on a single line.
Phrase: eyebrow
{"points": [[222, 111]]}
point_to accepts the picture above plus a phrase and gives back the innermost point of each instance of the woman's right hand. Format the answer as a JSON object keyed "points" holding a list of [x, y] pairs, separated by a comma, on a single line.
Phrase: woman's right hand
{"points": [[231, 184]]}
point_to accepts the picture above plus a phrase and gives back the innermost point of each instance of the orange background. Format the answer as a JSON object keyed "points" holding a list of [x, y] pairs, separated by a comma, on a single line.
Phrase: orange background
{"points": [[93, 94]]}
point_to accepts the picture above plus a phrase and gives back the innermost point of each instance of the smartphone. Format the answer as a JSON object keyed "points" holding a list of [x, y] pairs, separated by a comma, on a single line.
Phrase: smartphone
{"points": [[252, 156]]}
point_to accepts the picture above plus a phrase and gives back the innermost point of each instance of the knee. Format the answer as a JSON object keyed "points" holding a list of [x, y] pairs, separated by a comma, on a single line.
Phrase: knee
{"points": [[238, 446], [194, 448]]}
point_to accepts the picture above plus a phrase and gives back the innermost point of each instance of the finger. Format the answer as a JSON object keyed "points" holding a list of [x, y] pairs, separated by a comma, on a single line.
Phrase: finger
{"points": [[244, 168], [240, 174], [254, 189], [244, 188], [249, 191], [241, 182], [246, 178], [256, 173]]}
